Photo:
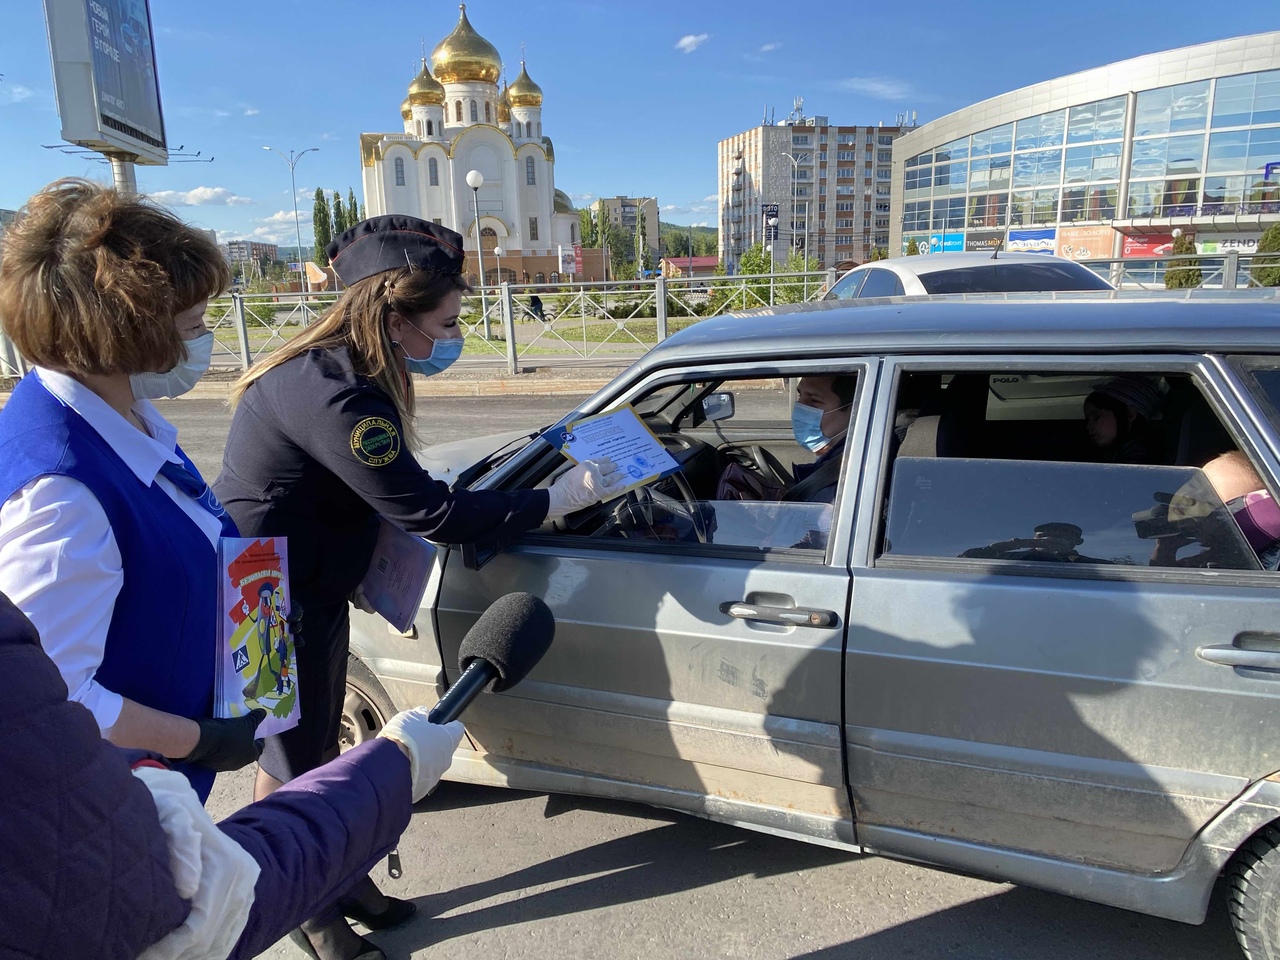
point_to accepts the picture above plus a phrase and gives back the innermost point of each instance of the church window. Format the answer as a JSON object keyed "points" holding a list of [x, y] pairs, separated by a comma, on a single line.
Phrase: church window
{"points": [[539, 277], [539, 128], [475, 115], [399, 171], [533, 228], [430, 129], [457, 110], [488, 239], [573, 233], [487, 116], [529, 175], [433, 172]]}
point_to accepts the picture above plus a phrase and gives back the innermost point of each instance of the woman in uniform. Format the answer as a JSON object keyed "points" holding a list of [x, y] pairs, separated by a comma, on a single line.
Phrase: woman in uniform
{"points": [[108, 535], [321, 445]]}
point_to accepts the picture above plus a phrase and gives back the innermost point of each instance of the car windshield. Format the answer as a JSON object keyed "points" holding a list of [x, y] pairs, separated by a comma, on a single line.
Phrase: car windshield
{"points": [[997, 277]]}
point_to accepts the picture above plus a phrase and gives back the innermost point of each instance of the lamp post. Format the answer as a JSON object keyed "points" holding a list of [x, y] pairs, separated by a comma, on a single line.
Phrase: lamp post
{"points": [[497, 252], [475, 180], [795, 178], [292, 160]]}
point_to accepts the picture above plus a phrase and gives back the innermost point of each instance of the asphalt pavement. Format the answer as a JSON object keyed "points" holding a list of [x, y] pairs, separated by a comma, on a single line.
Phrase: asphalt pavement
{"points": [[500, 874]]}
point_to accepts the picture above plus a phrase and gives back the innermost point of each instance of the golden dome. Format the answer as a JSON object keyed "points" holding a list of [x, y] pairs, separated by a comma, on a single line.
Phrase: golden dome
{"points": [[504, 108], [425, 89], [406, 109], [464, 55], [524, 92]]}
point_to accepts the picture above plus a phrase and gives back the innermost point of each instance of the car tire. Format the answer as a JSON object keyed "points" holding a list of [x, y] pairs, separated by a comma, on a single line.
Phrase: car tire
{"points": [[1254, 888], [366, 707]]}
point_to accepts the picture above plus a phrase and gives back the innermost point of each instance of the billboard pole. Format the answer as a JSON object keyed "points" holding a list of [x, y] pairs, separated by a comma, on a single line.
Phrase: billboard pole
{"points": [[123, 175]]}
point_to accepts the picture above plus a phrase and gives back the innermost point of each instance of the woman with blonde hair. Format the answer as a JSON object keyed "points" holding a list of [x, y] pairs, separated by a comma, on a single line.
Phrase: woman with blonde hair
{"points": [[108, 535], [321, 446]]}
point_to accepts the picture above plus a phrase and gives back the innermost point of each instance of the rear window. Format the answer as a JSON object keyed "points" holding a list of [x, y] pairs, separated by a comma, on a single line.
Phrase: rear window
{"points": [[999, 277], [1262, 376]]}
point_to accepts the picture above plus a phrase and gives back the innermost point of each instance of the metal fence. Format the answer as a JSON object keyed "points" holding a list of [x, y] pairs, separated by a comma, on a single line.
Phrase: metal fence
{"points": [[610, 324]]}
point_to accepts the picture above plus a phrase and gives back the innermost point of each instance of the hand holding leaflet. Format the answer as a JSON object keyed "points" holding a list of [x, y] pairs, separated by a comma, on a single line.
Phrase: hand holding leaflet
{"points": [[621, 437], [588, 483]]}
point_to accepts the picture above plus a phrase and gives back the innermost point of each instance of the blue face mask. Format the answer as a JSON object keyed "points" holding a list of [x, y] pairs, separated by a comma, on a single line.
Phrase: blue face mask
{"points": [[442, 355], [806, 424]]}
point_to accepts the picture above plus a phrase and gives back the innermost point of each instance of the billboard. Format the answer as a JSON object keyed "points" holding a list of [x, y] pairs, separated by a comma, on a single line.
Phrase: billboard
{"points": [[769, 211], [983, 241], [104, 75], [1149, 245], [1042, 240], [922, 243], [944, 243], [1244, 243], [1086, 243]]}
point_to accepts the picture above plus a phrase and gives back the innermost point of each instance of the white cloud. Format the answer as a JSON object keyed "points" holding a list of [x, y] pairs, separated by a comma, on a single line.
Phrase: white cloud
{"points": [[770, 47], [691, 42], [251, 111], [700, 223], [280, 217], [15, 94], [711, 198], [878, 88], [200, 197], [670, 207]]}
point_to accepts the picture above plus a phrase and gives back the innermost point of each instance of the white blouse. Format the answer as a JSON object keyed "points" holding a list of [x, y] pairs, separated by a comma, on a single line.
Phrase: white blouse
{"points": [[59, 561]]}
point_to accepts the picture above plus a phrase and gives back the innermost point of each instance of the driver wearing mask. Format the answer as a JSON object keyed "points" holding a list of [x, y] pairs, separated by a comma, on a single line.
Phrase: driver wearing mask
{"points": [[820, 422]]}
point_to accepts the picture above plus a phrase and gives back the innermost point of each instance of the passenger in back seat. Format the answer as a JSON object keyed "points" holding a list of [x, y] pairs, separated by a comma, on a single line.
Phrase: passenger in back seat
{"points": [[1118, 417]]}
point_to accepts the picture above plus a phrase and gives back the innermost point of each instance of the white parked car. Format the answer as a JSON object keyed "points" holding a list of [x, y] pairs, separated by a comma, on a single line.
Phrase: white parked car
{"points": [[965, 273]]}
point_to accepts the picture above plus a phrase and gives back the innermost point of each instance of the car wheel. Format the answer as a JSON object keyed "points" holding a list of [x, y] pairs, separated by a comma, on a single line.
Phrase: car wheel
{"points": [[1254, 878], [366, 707]]}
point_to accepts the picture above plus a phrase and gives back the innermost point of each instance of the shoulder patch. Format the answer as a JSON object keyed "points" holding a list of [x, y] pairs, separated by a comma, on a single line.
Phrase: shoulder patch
{"points": [[375, 441]]}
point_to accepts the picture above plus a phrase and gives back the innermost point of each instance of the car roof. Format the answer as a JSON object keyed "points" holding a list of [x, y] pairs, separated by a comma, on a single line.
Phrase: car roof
{"points": [[1195, 321], [937, 262]]}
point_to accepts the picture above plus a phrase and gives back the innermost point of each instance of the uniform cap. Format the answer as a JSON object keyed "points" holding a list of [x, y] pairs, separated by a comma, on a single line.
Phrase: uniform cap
{"points": [[380, 244]]}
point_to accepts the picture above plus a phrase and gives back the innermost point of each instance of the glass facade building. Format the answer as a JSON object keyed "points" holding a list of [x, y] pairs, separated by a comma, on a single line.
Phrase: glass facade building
{"points": [[1104, 163]]}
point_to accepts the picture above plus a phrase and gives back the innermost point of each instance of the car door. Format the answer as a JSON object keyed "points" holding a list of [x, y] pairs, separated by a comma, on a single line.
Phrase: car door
{"points": [[699, 676], [1070, 709]]}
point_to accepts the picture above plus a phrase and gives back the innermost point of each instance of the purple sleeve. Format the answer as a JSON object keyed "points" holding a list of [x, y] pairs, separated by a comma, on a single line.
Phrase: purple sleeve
{"points": [[318, 834]]}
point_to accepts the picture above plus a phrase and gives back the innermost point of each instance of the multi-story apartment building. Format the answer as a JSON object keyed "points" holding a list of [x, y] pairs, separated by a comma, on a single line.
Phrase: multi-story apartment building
{"points": [[245, 251], [626, 213], [831, 185]]}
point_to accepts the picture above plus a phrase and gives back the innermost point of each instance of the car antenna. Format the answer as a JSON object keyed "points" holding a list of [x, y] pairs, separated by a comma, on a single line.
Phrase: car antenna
{"points": [[996, 252]]}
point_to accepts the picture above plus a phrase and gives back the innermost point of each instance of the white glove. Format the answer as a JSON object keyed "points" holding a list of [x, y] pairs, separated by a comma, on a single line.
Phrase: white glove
{"points": [[588, 483], [430, 746]]}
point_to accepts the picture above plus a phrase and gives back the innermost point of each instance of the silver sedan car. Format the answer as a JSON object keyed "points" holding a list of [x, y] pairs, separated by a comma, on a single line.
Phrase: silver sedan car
{"points": [[1028, 627], [949, 273]]}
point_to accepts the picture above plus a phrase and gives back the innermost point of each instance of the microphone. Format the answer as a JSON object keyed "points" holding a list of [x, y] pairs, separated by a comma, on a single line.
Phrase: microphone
{"points": [[502, 646]]}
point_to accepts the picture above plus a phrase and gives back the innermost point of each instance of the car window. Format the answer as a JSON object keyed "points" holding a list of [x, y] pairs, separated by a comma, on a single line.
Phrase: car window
{"points": [[1262, 377], [745, 483], [997, 277], [881, 283], [1087, 513], [1010, 452], [847, 287]]}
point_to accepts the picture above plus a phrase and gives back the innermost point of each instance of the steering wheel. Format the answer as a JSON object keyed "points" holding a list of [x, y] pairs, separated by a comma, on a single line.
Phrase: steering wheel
{"points": [[640, 503], [770, 466]]}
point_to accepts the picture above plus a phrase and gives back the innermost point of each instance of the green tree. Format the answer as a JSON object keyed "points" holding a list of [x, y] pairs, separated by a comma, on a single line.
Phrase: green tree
{"points": [[353, 208], [879, 253], [587, 227], [1266, 270], [322, 220], [643, 255], [339, 214], [913, 248], [1183, 274]]}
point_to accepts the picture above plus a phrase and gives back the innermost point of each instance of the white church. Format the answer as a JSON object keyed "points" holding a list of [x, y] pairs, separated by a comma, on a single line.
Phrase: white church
{"points": [[457, 119]]}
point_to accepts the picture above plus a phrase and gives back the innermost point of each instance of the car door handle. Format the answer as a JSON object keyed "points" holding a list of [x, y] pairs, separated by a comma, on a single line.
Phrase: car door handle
{"points": [[1229, 655], [787, 616]]}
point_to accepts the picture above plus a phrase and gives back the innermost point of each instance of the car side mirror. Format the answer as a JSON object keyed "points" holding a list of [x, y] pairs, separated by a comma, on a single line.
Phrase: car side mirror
{"points": [[717, 406]]}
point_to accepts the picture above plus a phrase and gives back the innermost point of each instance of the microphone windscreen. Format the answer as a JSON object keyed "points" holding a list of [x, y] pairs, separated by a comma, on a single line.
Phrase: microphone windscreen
{"points": [[512, 634]]}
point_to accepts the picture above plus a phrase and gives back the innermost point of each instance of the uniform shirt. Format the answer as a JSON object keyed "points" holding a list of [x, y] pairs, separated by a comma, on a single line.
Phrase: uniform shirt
{"points": [[317, 452], [59, 562]]}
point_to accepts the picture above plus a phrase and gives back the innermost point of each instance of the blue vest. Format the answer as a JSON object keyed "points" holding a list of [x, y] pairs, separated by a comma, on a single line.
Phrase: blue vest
{"points": [[162, 643]]}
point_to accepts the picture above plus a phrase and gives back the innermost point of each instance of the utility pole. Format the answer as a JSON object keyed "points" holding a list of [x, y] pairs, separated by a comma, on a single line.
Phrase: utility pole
{"points": [[292, 161]]}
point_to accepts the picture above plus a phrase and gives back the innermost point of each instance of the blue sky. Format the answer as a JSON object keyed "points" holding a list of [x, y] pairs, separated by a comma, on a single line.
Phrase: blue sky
{"points": [[637, 95]]}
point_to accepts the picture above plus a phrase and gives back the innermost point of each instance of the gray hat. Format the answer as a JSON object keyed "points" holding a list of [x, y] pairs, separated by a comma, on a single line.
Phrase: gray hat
{"points": [[1138, 393]]}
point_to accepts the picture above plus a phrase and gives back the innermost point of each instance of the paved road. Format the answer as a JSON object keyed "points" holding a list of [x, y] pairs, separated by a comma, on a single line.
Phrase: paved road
{"points": [[502, 874]]}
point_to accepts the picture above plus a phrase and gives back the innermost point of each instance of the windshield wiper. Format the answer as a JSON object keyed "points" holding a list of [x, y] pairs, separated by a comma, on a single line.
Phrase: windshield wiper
{"points": [[495, 459]]}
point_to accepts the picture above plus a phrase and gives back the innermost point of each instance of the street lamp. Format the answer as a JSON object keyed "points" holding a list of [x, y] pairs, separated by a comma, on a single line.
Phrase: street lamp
{"points": [[292, 160], [497, 252], [475, 180], [773, 226], [795, 178]]}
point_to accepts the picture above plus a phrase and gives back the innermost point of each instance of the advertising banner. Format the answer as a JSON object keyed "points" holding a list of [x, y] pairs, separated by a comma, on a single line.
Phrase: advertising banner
{"points": [[1244, 243], [577, 260], [1151, 245], [769, 211], [566, 259], [1085, 243], [983, 241], [1041, 240], [944, 243], [124, 67], [922, 244]]}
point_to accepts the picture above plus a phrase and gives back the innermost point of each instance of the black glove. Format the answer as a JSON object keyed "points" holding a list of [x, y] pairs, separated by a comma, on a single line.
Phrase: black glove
{"points": [[227, 744]]}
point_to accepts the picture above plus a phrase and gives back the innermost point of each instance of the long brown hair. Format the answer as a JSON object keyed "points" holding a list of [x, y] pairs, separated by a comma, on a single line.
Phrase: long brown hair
{"points": [[358, 321], [91, 280]]}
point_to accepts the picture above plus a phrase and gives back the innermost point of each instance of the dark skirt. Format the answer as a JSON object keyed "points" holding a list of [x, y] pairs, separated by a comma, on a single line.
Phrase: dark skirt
{"points": [[325, 634]]}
